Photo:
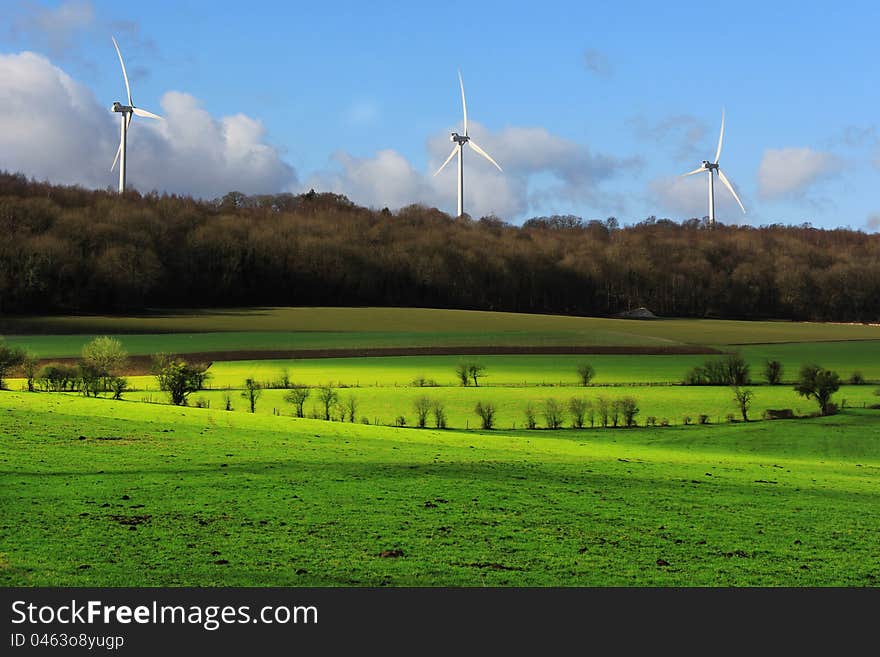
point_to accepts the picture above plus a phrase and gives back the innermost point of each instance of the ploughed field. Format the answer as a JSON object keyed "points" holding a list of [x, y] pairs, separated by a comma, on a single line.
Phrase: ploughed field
{"points": [[138, 492]]}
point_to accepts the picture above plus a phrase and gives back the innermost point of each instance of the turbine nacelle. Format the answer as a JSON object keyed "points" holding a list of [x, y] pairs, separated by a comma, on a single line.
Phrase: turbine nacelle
{"points": [[119, 107], [459, 139]]}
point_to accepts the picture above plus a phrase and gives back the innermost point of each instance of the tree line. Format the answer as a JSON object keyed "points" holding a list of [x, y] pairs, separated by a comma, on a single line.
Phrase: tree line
{"points": [[67, 249]]}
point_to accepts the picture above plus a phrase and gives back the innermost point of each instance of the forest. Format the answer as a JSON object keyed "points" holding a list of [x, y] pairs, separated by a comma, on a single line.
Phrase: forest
{"points": [[68, 249]]}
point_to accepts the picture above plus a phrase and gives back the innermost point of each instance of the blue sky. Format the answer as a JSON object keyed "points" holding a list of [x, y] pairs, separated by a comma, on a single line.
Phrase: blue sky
{"points": [[591, 110]]}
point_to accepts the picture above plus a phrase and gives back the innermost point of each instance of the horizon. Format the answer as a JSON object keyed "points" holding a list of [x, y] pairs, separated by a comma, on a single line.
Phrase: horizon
{"points": [[593, 123]]}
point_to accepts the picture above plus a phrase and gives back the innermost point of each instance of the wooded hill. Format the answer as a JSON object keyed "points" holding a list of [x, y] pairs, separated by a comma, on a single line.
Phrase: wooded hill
{"points": [[68, 249]]}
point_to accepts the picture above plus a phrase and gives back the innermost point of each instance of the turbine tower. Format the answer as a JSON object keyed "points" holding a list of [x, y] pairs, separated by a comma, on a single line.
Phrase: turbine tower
{"points": [[460, 141], [126, 113], [712, 168]]}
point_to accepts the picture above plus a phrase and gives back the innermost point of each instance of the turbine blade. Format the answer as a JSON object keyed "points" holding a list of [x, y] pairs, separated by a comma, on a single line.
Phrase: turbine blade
{"points": [[690, 173], [145, 113], [720, 138], [118, 153], [484, 154], [451, 155], [124, 74], [463, 103], [730, 187], [119, 150]]}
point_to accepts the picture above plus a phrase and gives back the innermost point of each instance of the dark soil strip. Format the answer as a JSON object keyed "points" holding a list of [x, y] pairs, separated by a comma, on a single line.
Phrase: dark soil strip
{"points": [[141, 364]]}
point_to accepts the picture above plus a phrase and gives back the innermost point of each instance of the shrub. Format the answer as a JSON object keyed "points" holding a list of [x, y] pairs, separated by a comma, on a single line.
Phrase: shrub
{"points": [[422, 407], [439, 411], [629, 407], [118, 385], [732, 370], [105, 358], [487, 414], [531, 420], [57, 377], [616, 409], [553, 414], [400, 421], [179, 378], [585, 372], [819, 384], [703, 419], [227, 402], [577, 408], [29, 366], [857, 379], [664, 422], [351, 406], [422, 382], [773, 372], [651, 421], [10, 357], [731, 417], [201, 402], [778, 414], [686, 419]]}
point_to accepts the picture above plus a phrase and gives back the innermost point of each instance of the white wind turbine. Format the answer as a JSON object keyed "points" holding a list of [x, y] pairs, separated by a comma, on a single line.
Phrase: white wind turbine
{"points": [[126, 112], [712, 167], [460, 141]]}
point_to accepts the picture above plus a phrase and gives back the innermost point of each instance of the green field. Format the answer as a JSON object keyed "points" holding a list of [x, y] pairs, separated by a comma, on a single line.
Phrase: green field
{"points": [[96, 492], [357, 328], [384, 405], [99, 492]]}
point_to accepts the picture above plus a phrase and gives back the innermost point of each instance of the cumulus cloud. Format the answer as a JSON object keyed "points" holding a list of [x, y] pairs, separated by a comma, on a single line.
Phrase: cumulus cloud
{"points": [[53, 128], [567, 171], [791, 171], [55, 28], [596, 62]]}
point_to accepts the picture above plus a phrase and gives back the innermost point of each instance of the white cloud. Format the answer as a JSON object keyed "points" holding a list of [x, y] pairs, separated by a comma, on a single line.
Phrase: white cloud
{"points": [[567, 171], [873, 223], [791, 171], [53, 128]]}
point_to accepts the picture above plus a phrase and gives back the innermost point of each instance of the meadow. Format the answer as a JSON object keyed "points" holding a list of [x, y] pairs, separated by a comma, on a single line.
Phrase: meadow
{"points": [[267, 329], [138, 492], [97, 492]]}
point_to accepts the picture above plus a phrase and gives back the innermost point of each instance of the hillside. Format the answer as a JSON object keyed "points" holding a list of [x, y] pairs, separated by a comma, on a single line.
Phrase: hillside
{"points": [[73, 250]]}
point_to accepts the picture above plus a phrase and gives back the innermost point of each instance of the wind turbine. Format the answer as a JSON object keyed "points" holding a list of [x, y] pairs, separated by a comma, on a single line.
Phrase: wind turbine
{"points": [[126, 113], [713, 167], [460, 141]]}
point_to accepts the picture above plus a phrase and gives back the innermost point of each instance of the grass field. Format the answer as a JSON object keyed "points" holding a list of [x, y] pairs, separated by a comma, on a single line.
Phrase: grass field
{"points": [[384, 405], [96, 492], [355, 328]]}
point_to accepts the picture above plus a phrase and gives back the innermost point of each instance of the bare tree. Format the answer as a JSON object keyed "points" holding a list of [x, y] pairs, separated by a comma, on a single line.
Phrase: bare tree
{"points": [[252, 391], [577, 408], [328, 396], [743, 398], [297, 396], [439, 411]]}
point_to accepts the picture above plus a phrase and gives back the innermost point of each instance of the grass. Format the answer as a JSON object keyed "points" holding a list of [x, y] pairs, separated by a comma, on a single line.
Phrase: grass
{"points": [[96, 492], [325, 328], [384, 405]]}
